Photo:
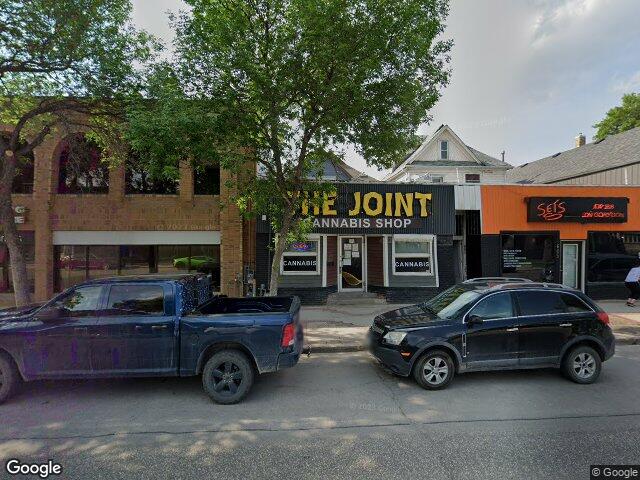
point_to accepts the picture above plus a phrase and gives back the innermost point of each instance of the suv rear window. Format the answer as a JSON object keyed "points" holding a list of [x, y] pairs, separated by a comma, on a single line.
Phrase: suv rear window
{"points": [[136, 300], [545, 303]]}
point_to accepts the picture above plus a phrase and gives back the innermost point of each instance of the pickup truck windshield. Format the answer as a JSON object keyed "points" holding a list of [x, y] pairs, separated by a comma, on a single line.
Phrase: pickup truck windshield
{"points": [[450, 302]]}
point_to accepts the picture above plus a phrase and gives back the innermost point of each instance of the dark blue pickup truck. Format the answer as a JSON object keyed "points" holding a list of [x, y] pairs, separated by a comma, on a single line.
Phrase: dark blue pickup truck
{"points": [[151, 326]]}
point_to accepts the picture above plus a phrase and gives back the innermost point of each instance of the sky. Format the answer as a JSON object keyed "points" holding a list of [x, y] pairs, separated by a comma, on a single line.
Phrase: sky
{"points": [[527, 75]]}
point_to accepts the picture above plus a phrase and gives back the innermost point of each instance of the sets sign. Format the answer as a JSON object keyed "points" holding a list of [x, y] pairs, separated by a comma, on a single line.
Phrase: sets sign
{"points": [[577, 209]]}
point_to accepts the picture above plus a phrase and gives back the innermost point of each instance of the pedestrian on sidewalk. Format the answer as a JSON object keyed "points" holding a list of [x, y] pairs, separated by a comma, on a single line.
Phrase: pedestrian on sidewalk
{"points": [[632, 282]]}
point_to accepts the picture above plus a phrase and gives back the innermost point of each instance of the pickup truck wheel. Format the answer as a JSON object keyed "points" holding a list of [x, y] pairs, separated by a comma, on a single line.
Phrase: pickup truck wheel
{"points": [[9, 377], [227, 376]]}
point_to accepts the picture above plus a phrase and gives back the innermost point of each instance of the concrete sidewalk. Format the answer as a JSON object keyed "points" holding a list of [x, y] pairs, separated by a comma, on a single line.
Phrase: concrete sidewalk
{"points": [[343, 328]]}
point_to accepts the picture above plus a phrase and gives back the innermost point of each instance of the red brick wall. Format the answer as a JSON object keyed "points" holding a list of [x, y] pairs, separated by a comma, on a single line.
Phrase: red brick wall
{"points": [[375, 259]]}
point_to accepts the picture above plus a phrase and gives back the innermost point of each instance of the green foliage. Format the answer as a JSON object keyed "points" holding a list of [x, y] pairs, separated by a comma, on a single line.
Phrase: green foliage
{"points": [[67, 56], [287, 83], [620, 119]]}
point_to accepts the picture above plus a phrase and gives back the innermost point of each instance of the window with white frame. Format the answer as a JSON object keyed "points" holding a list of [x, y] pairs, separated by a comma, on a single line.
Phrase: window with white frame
{"points": [[413, 255], [301, 258], [472, 178], [444, 150]]}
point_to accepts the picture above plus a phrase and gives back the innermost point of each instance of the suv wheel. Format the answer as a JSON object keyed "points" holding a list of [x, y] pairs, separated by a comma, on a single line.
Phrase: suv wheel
{"points": [[434, 370], [582, 365], [227, 377], [9, 377]]}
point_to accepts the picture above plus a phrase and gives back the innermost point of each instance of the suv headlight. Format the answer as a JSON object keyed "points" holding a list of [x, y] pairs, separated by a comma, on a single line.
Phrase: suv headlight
{"points": [[394, 338]]}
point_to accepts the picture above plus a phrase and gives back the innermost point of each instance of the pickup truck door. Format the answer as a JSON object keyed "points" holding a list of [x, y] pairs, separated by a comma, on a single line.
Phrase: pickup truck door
{"points": [[59, 343], [137, 331]]}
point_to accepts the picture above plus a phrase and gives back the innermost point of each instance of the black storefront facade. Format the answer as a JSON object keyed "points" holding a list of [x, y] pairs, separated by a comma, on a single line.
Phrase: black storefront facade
{"points": [[395, 240], [583, 237]]}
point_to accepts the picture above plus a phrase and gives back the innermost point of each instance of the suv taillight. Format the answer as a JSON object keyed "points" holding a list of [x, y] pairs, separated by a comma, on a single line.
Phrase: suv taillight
{"points": [[603, 317], [288, 336]]}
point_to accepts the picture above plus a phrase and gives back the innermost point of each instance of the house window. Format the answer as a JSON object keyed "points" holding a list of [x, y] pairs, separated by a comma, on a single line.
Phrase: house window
{"points": [[437, 179], [472, 178], [301, 258], [444, 150], [413, 255]]}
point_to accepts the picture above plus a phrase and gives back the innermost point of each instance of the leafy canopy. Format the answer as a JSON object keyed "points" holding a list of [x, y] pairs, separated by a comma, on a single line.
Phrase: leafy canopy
{"points": [[620, 119], [286, 83]]}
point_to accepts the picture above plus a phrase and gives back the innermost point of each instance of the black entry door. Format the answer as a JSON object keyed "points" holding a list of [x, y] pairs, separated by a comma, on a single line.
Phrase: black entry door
{"points": [[351, 264], [494, 342]]}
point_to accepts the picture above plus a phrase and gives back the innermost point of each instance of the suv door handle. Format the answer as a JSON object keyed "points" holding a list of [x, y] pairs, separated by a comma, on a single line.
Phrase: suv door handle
{"points": [[566, 324], [158, 327], [514, 329]]}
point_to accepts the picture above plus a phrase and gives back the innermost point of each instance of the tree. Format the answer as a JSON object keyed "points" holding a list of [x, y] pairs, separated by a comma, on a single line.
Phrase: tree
{"points": [[620, 119], [286, 83], [63, 64]]}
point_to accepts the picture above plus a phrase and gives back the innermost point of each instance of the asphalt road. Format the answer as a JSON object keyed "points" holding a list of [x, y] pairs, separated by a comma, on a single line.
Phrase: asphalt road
{"points": [[333, 416]]}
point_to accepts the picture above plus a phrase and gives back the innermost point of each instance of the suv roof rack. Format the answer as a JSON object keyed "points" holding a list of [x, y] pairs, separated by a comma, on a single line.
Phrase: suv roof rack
{"points": [[498, 280]]}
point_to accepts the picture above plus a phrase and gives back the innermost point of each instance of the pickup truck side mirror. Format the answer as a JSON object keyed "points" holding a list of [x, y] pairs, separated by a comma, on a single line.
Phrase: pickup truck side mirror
{"points": [[474, 320], [49, 314]]}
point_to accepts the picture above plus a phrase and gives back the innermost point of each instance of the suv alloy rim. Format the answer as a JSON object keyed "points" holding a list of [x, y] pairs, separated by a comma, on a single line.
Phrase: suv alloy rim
{"points": [[435, 370], [584, 365], [227, 378]]}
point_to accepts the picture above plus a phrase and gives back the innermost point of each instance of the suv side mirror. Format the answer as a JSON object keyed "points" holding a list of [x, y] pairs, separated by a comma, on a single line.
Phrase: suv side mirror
{"points": [[474, 320], [50, 314]]}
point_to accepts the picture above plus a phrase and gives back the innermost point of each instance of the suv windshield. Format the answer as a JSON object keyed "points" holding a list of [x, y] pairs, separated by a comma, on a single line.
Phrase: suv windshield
{"points": [[450, 302]]}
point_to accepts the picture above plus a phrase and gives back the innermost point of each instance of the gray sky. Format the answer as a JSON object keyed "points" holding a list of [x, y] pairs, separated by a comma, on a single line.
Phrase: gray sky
{"points": [[528, 75]]}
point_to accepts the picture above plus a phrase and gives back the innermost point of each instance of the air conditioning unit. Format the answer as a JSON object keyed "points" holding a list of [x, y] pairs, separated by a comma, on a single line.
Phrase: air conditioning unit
{"points": [[18, 220]]}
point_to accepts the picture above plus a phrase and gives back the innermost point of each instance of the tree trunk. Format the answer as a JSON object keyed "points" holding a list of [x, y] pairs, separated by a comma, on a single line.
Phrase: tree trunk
{"points": [[281, 243], [10, 233]]}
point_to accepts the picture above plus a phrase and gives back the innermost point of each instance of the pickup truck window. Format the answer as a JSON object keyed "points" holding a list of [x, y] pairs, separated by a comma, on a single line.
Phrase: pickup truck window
{"points": [[80, 301], [136, 300]]}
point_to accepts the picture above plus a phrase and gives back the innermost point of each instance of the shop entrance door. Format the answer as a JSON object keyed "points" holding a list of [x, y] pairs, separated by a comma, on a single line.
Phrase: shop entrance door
{"points": [[350, 275], [571, 265]]}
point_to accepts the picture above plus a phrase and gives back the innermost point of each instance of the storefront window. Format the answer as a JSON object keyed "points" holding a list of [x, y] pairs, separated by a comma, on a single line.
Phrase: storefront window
{"points": [[78, 263], [530, 255], [413, 255], [301, 258], [71, 265], [610, 255]]}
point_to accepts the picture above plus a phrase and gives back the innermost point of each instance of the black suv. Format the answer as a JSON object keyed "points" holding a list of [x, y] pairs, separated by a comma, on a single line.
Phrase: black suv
{"points": [[485, 326]]}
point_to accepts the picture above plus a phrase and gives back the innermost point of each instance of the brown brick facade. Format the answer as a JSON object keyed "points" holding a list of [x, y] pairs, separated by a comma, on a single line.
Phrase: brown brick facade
{"points": [[48, 211]]}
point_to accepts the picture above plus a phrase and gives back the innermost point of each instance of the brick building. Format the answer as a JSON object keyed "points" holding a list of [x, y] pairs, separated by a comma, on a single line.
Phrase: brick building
{"points": [[105, 222]]}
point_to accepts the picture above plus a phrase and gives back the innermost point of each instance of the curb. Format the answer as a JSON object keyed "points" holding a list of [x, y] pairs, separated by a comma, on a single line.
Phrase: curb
{"points": [[337, 348], [620, 340]]}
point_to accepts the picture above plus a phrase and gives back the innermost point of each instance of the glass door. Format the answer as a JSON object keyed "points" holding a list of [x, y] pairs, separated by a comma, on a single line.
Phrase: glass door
{"points": [[571, 265], [351, 264]]}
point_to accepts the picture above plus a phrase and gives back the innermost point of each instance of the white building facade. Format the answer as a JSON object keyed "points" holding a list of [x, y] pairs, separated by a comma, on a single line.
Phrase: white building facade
{"points": [[445, 158]]}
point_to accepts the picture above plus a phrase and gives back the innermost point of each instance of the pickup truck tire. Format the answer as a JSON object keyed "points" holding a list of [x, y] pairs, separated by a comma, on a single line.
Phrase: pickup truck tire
{"points": [[9, 377], [227, 376]]}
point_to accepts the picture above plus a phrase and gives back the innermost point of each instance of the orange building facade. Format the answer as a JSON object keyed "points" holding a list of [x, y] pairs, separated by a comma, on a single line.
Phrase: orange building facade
{"points": [[585, 237]]}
